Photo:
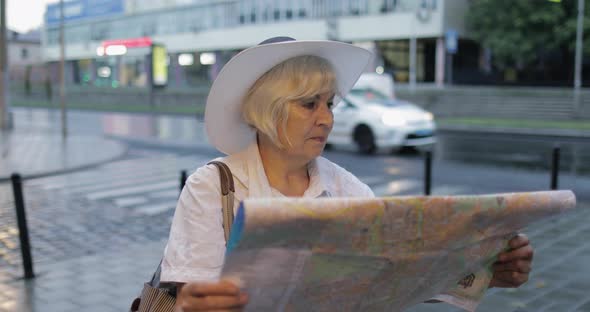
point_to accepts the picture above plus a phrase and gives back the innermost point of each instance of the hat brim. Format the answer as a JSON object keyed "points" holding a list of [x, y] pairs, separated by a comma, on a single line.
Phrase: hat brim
{"points": [[225, 127]]}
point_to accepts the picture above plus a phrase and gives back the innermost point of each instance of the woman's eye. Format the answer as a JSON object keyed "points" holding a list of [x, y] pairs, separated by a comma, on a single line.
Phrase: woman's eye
{"points": [[309, 105], [330, 104]]}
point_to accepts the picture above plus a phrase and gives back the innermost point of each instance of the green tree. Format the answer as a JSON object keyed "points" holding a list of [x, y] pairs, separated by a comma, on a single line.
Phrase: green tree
{"points": [[520, 33]]}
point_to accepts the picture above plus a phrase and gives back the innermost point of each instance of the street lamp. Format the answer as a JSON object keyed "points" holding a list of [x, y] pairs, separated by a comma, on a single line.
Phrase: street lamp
{"points": [[4, 107], [578, 55], [62, 84], [579, 34]]}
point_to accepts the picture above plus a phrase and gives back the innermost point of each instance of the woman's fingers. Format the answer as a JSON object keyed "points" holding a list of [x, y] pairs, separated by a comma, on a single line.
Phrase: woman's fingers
{"points": [[223, 288], [502, 284], [522, 252], [521, 266], [222, 296], [510, 278], [513, 266], [214, 303], [518, 241]]}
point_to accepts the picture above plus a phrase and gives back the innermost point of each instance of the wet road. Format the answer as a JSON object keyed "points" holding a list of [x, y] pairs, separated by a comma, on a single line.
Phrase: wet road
{"points": [[528, 149], [465, 162]]}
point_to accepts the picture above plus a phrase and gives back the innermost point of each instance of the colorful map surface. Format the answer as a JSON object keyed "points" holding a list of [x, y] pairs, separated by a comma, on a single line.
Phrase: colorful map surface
{"points": [[380, 254]]}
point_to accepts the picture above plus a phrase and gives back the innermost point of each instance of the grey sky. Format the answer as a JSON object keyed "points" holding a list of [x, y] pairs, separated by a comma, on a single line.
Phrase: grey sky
{"points": [[24, 15]]}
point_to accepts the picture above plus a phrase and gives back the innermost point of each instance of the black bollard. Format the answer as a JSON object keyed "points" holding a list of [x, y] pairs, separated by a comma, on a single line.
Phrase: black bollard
{"points": [[23, 231], [182, 179], [427, 172], [555, 168]]}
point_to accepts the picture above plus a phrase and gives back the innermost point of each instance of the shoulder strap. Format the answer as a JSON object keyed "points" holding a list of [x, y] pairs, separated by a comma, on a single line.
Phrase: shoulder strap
{"points": [[227, 203], [227, 196]]}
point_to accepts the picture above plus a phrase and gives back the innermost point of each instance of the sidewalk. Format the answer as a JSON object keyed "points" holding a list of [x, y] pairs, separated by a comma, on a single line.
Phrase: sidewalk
{"points": [[105, 282], [41, 153], [76, 284]]}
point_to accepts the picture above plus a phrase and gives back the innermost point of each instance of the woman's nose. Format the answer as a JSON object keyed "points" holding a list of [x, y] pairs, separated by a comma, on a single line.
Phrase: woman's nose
{"points": [[325, 115]]}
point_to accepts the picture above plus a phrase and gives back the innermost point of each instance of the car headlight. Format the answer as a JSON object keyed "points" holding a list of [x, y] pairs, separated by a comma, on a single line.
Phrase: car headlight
{"points": [[393, 120], [429, 116]]}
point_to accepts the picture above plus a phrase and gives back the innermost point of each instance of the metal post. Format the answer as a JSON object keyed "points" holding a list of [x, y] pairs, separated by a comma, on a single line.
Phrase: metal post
{"points": [[412, 63], [182, 179], [449, 72], [25, 247], [439, 71], [555, 168], [427, 172], [578, 59], [579, 36], [4, 111], [62, 82], [150, 62]]}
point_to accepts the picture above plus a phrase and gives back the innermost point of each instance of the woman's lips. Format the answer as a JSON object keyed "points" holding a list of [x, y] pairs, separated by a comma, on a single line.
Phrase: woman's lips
{"points": [[319, 139]]}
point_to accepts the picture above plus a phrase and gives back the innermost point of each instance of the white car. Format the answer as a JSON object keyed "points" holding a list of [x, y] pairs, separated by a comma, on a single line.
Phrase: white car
{"points": [[373, 121]]}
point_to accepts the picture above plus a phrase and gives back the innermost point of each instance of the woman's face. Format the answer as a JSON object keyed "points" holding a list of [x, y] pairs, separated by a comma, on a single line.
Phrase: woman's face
{"points": [[308, 126]]}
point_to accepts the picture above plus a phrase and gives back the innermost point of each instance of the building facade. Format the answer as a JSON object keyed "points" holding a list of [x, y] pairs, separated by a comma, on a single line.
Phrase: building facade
{"points": [[108, 41], [24, 56]]}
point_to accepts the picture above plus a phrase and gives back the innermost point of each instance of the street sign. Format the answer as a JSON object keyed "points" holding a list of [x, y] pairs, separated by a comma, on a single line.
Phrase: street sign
{"points": [[83, 9], [129, 43], [451, 41], [159, 65]]}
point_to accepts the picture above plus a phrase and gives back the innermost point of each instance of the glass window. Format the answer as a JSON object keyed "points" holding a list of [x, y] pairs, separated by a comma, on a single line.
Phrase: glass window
{"points": [[99, 31], [53, 36], [166, 24]]}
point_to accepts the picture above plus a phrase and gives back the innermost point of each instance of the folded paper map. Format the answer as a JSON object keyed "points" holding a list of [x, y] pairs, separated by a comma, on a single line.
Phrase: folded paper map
{"points": [[379, 254]]}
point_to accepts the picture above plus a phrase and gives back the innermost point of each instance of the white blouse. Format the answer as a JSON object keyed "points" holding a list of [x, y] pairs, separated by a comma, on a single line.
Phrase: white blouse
{"points": [[196, 246]]}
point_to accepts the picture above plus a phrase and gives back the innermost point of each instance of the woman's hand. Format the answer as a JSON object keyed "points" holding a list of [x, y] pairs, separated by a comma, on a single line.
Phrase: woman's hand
{"points": [[513, 266], [220, 296]]}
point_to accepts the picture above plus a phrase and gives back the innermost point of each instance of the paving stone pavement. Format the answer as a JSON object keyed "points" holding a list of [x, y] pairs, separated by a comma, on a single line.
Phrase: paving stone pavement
{"points": [[87, 252], [86, 212], [560, 280], [101, 282], [96, 259]]}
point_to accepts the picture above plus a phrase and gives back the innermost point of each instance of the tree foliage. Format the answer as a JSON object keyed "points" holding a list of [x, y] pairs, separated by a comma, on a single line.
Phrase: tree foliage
{"points": [[521, 32]]}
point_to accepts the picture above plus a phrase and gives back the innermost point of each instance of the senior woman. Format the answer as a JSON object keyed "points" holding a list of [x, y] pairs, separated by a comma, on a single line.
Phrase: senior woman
{"points": [[270, 111]]}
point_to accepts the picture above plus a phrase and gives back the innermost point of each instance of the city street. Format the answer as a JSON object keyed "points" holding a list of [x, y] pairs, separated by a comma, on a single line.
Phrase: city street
{"points": [[124, 207], [102, 108]]}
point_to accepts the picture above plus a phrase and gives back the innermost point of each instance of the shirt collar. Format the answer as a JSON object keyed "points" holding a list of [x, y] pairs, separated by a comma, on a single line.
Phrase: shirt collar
{"points": [[258, 185]]}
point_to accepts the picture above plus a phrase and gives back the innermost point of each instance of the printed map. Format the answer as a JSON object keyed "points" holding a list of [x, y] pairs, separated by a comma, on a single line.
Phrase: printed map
{"points": [[380, 254]]}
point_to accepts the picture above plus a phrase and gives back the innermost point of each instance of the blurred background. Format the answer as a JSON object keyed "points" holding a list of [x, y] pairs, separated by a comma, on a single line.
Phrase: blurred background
{"points": [[101, 106]]}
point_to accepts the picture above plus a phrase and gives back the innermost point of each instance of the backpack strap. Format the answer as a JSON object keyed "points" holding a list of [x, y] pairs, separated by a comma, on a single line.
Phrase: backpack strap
{"points": [[227, 196]]}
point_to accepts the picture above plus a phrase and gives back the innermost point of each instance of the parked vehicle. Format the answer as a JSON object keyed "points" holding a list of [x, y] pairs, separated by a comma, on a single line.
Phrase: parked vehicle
{"points": [[373, 120]]}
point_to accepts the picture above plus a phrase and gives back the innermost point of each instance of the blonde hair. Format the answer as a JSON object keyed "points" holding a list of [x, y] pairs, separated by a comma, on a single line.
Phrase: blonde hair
{"points": [[266, 102]]}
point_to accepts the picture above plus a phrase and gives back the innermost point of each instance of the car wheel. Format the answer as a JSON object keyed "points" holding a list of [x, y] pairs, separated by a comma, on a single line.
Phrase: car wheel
{"points": [[365, 140]]}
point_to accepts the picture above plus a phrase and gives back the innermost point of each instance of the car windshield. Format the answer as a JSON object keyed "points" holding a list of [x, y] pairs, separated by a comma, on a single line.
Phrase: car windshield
{"points": [[373, 96]]}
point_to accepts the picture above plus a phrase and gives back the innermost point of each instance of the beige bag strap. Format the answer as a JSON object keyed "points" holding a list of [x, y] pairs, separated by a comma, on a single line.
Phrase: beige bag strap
{"points": [[227, 196]]}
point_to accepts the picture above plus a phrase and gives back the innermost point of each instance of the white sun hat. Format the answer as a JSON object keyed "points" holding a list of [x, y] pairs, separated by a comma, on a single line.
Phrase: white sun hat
{"points": [[226, 129]]}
